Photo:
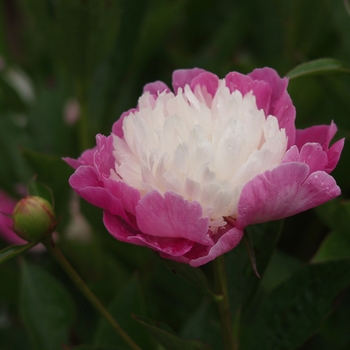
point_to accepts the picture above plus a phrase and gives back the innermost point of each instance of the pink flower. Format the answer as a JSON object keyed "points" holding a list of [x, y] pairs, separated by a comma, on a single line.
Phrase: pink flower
{"points": [[184, 173], [7, 204]]}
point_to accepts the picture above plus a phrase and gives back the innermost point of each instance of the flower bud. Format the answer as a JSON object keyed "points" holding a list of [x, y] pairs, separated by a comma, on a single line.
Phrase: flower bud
{"points": [[33, 218]]}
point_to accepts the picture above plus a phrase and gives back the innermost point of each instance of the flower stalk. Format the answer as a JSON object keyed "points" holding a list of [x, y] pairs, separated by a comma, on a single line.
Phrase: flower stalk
{"points": [[80, 284], [223, 303]]}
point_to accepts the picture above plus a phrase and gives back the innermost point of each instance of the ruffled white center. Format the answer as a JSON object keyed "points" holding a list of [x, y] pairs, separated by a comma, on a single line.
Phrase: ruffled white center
{"points": [[201, 147]]}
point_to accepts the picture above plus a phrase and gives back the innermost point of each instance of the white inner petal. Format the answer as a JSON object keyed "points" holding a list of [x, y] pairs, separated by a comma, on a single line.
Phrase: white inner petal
{"points": [[205, 149]]}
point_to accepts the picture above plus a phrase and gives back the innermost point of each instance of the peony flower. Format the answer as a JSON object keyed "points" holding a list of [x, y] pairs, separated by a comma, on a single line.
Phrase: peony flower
{"points": [[186, 171]]}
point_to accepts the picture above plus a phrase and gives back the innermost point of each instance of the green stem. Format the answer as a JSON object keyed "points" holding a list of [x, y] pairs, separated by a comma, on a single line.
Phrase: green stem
{"points": [[53, 249], [223, 303]]}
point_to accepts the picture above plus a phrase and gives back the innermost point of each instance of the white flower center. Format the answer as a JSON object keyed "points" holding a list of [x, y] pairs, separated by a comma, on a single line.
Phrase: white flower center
{"points": [[204, 148]]}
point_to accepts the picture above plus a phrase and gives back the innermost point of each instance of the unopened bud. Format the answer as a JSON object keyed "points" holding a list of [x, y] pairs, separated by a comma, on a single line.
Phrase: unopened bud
{"points": [[33, 218]]}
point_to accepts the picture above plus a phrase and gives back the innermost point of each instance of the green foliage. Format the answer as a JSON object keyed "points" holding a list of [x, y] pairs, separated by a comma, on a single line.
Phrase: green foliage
{"points": [[195, 276], [46, 307], [167, 337], [280, 320], [320, 66], [15, 250], [126, 303], [40, 190]]}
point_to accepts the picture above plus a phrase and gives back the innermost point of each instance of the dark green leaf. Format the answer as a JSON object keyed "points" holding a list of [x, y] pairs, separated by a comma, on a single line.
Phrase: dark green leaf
{"points": [[335, 246], [334, 329], [242, 281], [167, 338], [280, 267], [126, 302], [53, 172], [293, 310], [335, 214], [193, 275], [38, 189], [14, 250], [204, 325], [46, 308], [320, 66], [97, 347]]}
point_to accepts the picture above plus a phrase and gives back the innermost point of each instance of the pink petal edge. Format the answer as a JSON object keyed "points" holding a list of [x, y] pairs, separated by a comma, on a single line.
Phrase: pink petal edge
{"points": [[172, 216], [282, 192]]}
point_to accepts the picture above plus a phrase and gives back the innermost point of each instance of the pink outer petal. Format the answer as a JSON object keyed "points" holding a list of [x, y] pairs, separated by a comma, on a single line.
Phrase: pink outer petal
{"points": [[118, 228], [270, 76], [313, 155], [181, 77], [282, 192], [208, 80], [117, 128], [101, 156], [172, 216], [123, 232], [243, 83], [87, 184], [7, 205], [86, 158], [323, 135], [156, 88], [292, 155], [225, 243], [104, 160], [200, 255], [334, 154], [281, 105], [128, 196]]}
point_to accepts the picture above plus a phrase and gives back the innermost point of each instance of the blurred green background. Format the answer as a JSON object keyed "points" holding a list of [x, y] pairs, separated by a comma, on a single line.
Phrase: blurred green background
{"points": [[59, 57]]}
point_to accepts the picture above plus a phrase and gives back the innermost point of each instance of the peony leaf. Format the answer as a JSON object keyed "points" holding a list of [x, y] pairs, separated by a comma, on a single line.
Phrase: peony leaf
{"points": [[53, 172], [167, 338], [335, 214], [46, 308], [280, 267], [193, 275], [293, 311], [243, 282], [203, 325], [14, 250], [39, 189], [336, 245], [125, 303], [319, 66]]}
